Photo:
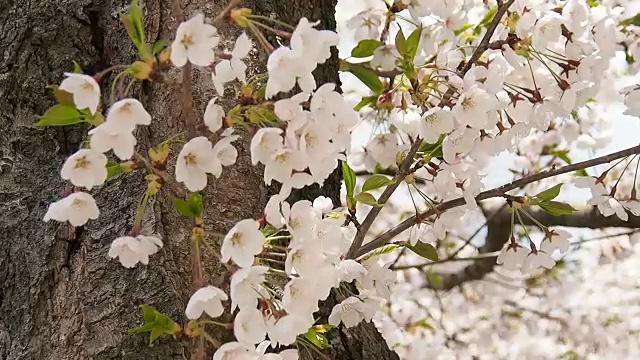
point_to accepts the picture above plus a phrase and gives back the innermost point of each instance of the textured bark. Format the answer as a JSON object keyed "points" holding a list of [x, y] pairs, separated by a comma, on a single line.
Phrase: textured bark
{"points": [[61, 297]]}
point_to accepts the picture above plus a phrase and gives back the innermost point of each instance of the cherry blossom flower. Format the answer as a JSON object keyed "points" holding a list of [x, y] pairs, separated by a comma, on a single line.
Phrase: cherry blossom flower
{"points": [[242, 243], [384, 57], [300, 296], [323, 204], [230, 69], [249, 326], [132, 250], [207, 299], [124, 115], [536, 260], [246, 287], [632, 101], [556, 239], [86, 168], [122, 143], [349, 312], [213, 115], [285, 68], [195, 42], [234, 350], [512, 256], [472, 107], [366, 24], [312, 44], [76, 208], [85, 91], [284, 330], [195, 160], [264, 143], [435, 122]]}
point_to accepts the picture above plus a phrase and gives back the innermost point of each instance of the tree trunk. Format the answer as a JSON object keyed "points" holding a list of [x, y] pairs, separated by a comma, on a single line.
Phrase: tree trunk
{"points": [[62, 297]]}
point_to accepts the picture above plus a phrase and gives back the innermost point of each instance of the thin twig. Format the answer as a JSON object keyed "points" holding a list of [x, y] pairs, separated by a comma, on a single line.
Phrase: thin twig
{"points": [[166, 178], [472, 258], [497, 192]]}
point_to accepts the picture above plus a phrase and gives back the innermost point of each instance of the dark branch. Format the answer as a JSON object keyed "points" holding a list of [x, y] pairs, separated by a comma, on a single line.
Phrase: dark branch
{"points": [[496, 192]]}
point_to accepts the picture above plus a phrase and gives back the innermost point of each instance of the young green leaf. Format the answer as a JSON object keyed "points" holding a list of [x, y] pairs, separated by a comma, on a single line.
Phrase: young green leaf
{"points": [[113, 168], [60, 115], [159, 45], [76, 68], [425, 250], [365, 48], [156, 323], [368, 77], [401, 43], [413, 41], [368, 199], [366, 101], [556, 208], [349, 177], [190, 208], [317, 338], [63, 97], [548, 194], [384, 249], [376, 181]]}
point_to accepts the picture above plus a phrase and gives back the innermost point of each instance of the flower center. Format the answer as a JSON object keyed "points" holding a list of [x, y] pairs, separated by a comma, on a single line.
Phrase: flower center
{"points": [[187, 40], [86, 86], [190, 159], [469, 103], [431, 119], [77, 203], [82, 163], [236, 239], [282, 157]]}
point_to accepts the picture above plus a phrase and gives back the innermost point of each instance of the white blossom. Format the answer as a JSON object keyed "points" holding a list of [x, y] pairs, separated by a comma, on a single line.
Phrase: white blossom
{"points": [[132, 250], [230, 69], [242, 243], [124, 115], [349, 312], [249, 326], [213, 115], [85, 91], [76, 208], [246, 287], [86, 168], [207, 299], [195, 42], [122, 143], [195, 160]]}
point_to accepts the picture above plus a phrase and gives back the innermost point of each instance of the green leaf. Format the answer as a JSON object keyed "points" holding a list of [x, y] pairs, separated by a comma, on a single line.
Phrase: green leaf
{"points": [[385, 249], [159, 45], [549, 194], [60, 115], [156, 323], [425, 250], [349, 178], [635, 20], [563, 155], [190, 208], [401, 43], [113, 168], [464, 28], [593, 3], [556, 208], [63, 97], [322, 328], [368, 199], [317, 339], [137, 19], [366, 101], [76, 68], [413, 41], [368, 77], [434, 279], [581, 172], [365, 48], [376, 181]]}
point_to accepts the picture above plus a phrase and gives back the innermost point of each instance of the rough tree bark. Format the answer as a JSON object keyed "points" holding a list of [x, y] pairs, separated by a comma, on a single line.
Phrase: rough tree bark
{"points": [[61, 297]]}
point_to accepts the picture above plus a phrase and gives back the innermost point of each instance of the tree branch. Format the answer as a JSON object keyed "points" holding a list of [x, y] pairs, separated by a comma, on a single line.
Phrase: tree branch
{"points": [[496, 192]]}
